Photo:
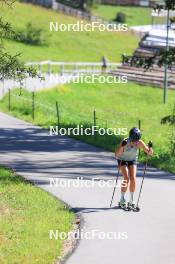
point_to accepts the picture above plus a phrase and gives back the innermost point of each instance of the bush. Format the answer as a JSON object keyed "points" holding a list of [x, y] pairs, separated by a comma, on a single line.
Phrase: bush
{"points": [[30, 35], [120, 17], [170, 119]]}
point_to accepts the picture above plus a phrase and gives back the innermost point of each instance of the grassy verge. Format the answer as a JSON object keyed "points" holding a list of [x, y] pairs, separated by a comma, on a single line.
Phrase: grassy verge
{"points": [[68, 45], [135, 16], [117, 106], [27, 214]]}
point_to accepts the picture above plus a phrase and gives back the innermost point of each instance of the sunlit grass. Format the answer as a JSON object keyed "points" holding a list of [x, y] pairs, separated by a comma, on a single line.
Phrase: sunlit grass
{"points": [[116, 105], [27, 214]]}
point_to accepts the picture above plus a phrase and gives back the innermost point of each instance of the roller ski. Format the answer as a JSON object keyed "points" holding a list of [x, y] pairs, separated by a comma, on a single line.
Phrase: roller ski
{"points": [[123, 205], [132, 207]]}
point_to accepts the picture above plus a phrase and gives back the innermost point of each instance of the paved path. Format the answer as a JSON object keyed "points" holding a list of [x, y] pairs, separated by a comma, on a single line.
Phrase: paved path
{"points": [[151, 233]]}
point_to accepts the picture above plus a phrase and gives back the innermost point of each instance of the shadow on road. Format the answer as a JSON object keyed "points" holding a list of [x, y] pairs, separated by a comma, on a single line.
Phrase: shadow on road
{"points": [[93, 210], [31, 149]]}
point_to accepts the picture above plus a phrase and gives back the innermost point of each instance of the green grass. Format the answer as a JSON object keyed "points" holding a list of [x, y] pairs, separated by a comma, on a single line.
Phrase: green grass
{"points": [[27, 214], [135, 16], [65, 46], [118, 106]]}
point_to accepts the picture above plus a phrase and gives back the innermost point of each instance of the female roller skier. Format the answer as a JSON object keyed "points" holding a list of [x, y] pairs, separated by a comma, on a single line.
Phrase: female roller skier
{"points": [[127, 155]]}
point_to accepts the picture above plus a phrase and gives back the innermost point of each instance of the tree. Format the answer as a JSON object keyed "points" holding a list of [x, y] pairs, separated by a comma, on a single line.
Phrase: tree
{"points": [[166, 57], [162, 58], [10, 65]]}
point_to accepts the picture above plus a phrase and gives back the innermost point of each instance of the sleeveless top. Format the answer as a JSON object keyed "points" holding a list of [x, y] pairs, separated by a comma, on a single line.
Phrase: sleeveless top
{"points": [[130, 152]]}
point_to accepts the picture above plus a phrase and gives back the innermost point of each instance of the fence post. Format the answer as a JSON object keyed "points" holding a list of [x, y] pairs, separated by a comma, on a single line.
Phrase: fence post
{"points": [[40, 68], [58, 114], [75, 68], [33, 105], [139, 124], [9, 100], [62, 70], [95, 117], [49, 68]]}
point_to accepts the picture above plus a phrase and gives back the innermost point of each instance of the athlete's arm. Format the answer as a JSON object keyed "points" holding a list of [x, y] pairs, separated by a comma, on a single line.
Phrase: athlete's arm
{"points": [[119, 151], [148, 150]]}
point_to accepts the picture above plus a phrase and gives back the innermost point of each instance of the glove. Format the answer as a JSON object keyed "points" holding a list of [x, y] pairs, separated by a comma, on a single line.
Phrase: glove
{"points": [[150, 144]]}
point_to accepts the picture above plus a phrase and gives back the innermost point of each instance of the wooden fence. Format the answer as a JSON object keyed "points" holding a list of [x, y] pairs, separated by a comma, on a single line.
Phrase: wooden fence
{"points": [[69, 10], [73, 67]]}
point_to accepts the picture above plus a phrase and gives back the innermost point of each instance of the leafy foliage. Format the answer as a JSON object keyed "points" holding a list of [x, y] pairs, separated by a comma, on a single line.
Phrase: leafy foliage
{"points": [[162, 58], [5, 29], [172, 139], [30, 35], [170, 4], [12, 68], [170, 119], [10, 65]]}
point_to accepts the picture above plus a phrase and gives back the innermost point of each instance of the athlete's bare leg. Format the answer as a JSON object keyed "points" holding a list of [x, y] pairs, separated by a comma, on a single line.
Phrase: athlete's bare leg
{"points": [[125, 173], [132, 176]]}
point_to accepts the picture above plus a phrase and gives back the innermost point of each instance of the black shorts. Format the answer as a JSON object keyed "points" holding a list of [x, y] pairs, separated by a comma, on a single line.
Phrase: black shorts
{"points": [[126, 163]]}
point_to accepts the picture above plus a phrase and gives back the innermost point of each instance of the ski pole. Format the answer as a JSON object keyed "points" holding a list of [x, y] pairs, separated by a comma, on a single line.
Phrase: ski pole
{"points": [[115, 184], [137, 206], [123, 144], [150, 144]]}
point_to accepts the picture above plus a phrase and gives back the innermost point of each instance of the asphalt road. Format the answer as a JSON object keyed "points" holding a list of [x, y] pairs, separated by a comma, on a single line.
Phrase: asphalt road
{"points": [[146, 237]]}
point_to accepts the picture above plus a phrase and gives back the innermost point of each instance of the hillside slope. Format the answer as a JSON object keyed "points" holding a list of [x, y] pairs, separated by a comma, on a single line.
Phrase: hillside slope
{"points": [[65, 46]]}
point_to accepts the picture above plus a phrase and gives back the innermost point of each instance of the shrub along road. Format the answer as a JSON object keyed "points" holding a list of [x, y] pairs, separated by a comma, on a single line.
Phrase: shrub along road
{"points": [[151, 234]]}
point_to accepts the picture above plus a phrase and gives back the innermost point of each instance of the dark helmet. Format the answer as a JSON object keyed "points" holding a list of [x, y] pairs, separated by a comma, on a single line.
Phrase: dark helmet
{"points": [[135, 134]]}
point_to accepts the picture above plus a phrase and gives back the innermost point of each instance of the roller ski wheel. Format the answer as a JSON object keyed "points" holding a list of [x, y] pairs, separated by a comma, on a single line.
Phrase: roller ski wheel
{"points": [[137, 209], [123, 205]]}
